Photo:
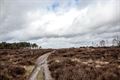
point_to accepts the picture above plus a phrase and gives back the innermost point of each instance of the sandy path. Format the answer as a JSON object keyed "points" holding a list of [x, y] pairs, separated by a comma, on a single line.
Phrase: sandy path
{"points": [[41, 65]]}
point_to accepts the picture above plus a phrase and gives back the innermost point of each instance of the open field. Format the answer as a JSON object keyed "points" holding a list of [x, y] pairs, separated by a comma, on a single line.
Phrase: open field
{"points": [[18, 64], [85, 64], [64, 64]]}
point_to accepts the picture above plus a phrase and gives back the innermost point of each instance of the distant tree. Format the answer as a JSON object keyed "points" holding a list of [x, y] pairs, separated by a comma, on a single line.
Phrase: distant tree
{"points": [[34, 45], [119, 44], [19, 45], [40, 47], [114, 42], [106, 43], [102, 43], [3, 44], [93, 44]]}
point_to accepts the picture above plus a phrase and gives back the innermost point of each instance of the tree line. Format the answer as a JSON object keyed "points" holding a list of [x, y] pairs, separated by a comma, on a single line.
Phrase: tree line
{"points": [[19, 45], [115, 43], [103, 43]]}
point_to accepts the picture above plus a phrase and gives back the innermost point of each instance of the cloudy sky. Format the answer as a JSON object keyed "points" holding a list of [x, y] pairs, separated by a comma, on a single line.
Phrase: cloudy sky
{"points": [[59, 23]]}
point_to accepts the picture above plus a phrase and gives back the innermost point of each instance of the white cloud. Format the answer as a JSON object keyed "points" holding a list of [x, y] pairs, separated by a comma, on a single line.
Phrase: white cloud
{"points": [[65, 23]]}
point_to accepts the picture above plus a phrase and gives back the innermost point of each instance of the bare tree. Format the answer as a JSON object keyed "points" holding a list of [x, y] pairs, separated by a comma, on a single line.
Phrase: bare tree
{"points": [[106, 43], [102, 43], [114, 42], [119, 44], [93, 44]]}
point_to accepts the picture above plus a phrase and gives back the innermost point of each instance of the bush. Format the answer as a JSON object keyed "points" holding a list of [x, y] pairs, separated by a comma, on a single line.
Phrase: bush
{"points": [[17, 71], [3, 77]]}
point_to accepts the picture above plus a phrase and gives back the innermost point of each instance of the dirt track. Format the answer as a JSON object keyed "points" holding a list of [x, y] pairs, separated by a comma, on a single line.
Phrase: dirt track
{"points": [[41, 63]]}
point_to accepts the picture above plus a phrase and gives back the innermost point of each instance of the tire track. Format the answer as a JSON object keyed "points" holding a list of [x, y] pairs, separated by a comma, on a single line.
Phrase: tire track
{"points": [[41, 65]]}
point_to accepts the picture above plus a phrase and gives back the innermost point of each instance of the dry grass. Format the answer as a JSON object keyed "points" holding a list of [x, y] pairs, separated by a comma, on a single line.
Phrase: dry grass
{"points": [[28, 69], [13, 62], [64, 64], [40, 76], [85, 64]]}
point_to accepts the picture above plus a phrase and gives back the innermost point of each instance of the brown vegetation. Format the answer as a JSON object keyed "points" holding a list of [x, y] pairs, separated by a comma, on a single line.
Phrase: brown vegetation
{"points": [[85, 64], [64, 64], [13, 62]]}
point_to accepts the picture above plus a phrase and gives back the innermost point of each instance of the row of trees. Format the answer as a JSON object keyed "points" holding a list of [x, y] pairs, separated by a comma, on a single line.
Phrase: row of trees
{"points": [[4, 45], [115, 42]]}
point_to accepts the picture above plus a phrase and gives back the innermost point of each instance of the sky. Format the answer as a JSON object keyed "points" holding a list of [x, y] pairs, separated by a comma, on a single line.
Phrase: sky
{"points": [[59, 23]]}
